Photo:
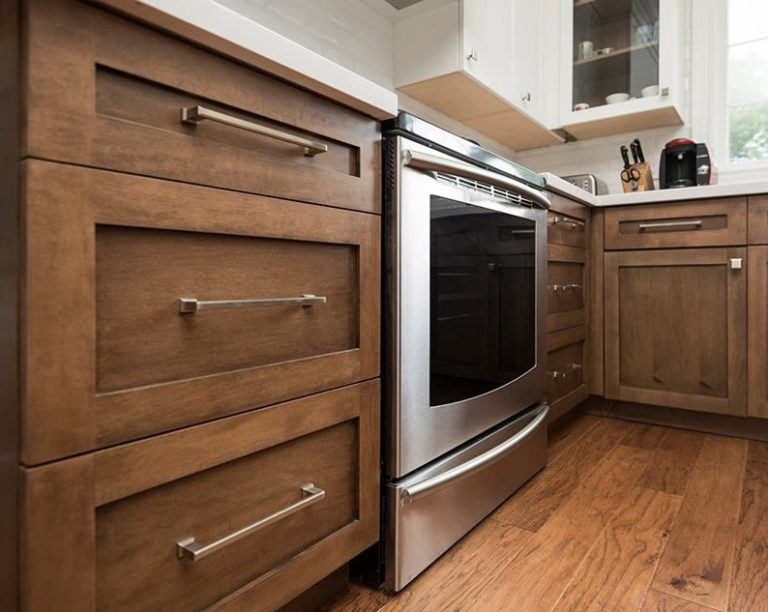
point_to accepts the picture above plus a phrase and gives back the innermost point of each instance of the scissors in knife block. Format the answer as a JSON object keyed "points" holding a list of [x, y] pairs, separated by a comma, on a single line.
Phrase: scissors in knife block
{"points": [[630, 175]]}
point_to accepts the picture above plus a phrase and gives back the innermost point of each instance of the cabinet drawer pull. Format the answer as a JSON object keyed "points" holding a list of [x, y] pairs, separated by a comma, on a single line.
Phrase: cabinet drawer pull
{"points": [[573, 287], [572, 224], [196, 114], [192, 305], [569, 369], [695, 224], [192, 550]]}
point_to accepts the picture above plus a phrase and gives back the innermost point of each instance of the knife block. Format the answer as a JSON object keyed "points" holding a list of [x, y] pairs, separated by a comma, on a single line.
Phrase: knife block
{"points": [[644, 183]]}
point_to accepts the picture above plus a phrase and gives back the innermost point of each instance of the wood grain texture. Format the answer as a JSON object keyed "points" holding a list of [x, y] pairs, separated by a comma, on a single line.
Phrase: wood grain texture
{"points": [[461, 576], [601, 546], [673, 460], [749, 588], [697, 564], [597, 303], [532, 581], [550, 489], [62, 298], [645, 436], [656, 601], [616, 573], [662, 307], [119, 512], [10, 279], [566, 432], [106, 92], [723, 223], [757, 324], [757, 210]]}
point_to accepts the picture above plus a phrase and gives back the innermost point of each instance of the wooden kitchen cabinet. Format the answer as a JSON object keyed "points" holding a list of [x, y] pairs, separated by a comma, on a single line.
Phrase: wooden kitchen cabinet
{"points": [[758, 331], [675, 328]]}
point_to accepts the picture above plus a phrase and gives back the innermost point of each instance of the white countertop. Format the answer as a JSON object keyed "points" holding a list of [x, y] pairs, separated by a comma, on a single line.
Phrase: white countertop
{"points": [[210, 24], [565, 188]]}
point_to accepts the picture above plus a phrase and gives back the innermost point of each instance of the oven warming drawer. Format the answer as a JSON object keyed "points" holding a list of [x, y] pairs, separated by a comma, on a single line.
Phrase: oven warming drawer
{"points": [[432, 508]]}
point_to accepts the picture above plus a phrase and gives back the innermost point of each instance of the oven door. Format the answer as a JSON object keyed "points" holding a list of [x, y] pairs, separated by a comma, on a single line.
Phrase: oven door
{"points": [[466, 318]]}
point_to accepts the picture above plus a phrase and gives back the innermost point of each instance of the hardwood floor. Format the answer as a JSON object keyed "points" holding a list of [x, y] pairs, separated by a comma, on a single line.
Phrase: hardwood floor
{"points": [[625, 517]]}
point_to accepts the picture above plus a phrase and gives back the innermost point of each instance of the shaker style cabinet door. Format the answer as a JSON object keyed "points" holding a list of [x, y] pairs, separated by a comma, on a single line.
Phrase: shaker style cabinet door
{"points": [[675, 325], [154, 305], [758, 331]]}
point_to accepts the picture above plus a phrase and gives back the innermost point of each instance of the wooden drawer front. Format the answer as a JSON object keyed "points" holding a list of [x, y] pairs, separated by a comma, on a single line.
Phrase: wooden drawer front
{"points": [[708, 223], [566, 229], [110, 255], [675, 325], [566, 287], [565, 362], [118, 514], [107, 92], [758, 219]]}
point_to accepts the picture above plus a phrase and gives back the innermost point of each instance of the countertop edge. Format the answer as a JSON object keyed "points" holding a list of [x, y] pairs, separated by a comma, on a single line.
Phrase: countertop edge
{"points": [[564, 188], [217, 27]]}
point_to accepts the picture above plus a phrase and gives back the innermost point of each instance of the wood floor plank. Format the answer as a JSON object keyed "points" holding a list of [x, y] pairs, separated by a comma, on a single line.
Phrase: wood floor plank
{"points": [[758, 451], [656, 601], [359, 598], [537, 577], [458, 578], [567, 431], [531, 507], [645, 436], [673, 461], [618, 570], [698, 560], [749, 589]]}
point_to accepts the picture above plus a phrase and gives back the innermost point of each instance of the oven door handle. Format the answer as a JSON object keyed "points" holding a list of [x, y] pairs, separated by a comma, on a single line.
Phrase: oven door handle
{"points": [[433, 163], [411, 494]]}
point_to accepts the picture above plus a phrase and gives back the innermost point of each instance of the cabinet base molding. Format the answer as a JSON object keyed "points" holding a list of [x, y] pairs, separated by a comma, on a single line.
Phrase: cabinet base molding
{"points": [[720, 424]]}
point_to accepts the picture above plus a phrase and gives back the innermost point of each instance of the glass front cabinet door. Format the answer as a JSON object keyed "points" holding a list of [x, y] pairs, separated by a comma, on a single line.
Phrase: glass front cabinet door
{"points": [[622, 65]]}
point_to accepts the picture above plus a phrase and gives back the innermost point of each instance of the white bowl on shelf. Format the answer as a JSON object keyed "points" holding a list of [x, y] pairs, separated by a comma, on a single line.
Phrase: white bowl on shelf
{"points": [[651, 90], [616, 98]]}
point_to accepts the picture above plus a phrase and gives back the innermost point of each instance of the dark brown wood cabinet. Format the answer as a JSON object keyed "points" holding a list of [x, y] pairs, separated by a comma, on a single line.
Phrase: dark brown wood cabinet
{"points": [[190, 309], [675, 328], [757, 322], [567, 305]]}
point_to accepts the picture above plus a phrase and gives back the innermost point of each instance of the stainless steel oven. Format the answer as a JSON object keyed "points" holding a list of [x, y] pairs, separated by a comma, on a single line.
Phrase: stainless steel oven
{"points": [[465, 322]]}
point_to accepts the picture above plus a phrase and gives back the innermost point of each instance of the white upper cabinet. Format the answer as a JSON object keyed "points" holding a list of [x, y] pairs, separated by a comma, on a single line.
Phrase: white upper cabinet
{"points": [[621, 65], [462, 57]]}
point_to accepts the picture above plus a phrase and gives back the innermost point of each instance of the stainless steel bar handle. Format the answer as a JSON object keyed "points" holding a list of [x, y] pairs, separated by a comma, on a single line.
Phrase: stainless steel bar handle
{"points": [[196, 114], [190, 549], [695, 224], [192, 305], [570, 369], [573, 224], [433, 163], [411, 494], [574, 287]]}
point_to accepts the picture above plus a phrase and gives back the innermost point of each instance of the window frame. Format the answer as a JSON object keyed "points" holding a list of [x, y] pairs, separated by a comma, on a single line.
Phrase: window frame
{"points": [[709, 71]]}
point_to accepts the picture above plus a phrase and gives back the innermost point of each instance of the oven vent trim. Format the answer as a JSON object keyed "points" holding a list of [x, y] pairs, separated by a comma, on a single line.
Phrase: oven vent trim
{"points": [[484, 188]]}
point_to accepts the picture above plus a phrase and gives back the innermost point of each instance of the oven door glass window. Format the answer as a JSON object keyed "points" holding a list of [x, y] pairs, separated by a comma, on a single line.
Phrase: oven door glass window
{"points": [[482, 299]]}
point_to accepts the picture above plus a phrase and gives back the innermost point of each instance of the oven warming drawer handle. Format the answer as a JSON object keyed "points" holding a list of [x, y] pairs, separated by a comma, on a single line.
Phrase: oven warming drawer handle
{"points": [[433, 485], [433, 163]]}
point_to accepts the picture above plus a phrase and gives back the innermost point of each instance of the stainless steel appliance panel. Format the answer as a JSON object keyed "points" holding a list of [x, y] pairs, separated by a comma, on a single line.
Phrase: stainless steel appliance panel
{"points": [[428, 511]]}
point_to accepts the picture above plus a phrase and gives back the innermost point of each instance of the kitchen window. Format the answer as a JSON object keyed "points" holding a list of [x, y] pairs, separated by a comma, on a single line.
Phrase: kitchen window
{"points": [[747, 75], [730, 85]]}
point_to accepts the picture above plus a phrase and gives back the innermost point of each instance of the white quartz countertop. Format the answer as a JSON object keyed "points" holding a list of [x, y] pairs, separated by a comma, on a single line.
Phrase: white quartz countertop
{"points": [[210, 24], [565, 188]]}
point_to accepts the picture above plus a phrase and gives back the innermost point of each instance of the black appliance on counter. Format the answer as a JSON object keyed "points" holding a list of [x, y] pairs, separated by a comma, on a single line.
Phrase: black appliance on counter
{"points": [[685, 163]]}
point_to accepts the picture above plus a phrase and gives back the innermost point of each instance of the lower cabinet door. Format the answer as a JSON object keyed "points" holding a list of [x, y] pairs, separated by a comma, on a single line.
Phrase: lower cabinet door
{"points": [[242, 513], [758, 331], [675, 325], [567, 368]]}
